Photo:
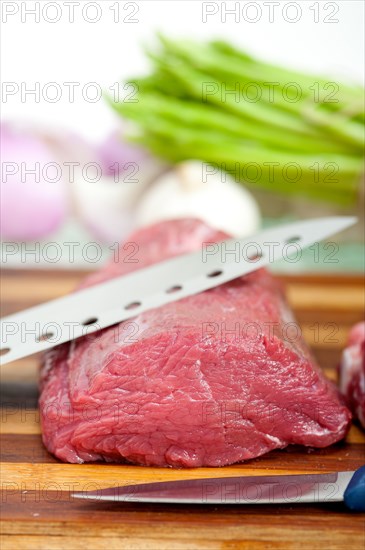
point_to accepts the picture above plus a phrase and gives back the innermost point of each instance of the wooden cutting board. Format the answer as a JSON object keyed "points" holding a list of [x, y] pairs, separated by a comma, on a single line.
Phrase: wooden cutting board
{"points": [[38, 512]]}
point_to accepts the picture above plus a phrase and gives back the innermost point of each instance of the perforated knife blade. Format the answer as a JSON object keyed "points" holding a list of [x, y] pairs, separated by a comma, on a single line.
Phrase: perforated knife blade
{"points": [[100, 306]]}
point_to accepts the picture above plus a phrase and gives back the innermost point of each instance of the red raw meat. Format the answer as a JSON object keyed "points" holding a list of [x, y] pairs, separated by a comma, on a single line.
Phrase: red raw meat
{"points": [[352, 371], [209, 380]]}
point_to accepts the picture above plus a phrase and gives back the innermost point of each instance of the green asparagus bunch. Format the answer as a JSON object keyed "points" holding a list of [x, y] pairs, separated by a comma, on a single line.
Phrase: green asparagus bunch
{"points": [[268, 126]]}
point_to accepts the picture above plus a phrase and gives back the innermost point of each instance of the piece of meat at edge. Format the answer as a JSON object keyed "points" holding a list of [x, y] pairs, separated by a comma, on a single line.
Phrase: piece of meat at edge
{"points": [[181, 385], [352, 372]]}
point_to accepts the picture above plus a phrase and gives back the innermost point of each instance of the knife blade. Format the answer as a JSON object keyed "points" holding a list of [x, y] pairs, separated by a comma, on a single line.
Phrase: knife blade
{"points": [[272, 489], [100, 306]]}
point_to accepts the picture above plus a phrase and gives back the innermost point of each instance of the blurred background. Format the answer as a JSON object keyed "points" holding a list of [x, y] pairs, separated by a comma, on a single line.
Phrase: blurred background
{"points": [[208, 111]]}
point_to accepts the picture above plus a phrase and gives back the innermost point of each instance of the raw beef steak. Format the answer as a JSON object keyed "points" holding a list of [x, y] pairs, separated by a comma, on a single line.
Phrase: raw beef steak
{"points": [[209, 380], [352, 371]]}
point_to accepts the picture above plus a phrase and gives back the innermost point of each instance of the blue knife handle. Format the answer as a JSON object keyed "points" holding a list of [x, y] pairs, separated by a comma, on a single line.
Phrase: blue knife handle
{"points": [[354, 496]]}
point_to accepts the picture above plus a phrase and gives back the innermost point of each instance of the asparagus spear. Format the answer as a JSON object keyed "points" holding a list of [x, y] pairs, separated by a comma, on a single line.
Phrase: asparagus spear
{"points": [[346, 93], [211, 117], [292, 145], [341, 127], [271, 169], [167, 150]]}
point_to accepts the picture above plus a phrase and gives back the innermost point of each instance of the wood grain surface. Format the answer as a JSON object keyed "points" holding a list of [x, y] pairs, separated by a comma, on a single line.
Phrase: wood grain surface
{"points": [[38, 512]]}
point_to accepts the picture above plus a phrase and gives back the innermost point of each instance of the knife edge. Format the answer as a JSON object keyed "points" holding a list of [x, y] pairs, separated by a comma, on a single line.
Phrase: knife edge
{"points": [[294, 488]]}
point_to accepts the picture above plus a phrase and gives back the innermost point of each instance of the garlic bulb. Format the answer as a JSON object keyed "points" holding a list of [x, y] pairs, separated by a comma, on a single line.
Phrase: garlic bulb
{"points": [[106, 206], [196, 190]]}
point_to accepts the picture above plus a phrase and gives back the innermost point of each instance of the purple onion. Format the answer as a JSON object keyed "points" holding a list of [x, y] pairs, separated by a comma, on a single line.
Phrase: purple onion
{"points": [[115, 154], [33, 205]]}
